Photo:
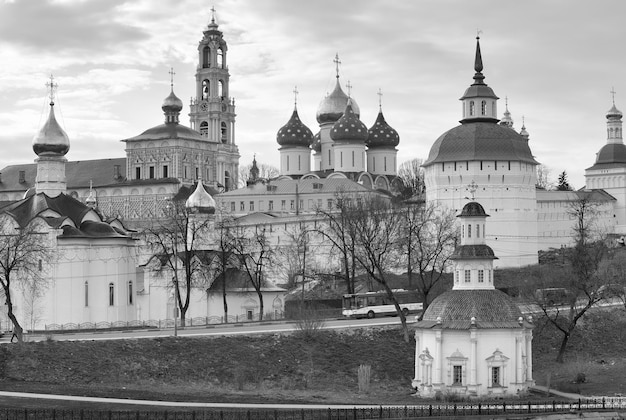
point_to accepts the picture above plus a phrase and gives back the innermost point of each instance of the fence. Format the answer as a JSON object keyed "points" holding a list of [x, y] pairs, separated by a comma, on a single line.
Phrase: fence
{"points": [[356, 413], [161, 323]]}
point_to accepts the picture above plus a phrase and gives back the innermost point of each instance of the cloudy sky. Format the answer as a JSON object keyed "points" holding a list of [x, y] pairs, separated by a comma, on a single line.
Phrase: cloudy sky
{"points": [[556, 61]]}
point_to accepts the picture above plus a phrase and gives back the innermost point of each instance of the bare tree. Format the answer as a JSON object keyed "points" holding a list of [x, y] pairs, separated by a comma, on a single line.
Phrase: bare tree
{"points": [[177, 240], [266, 172], [412, 175], [338, 229], [378, 227], [544, 179], [581, 278], [429, 239], [25, 254], [252, 248]]}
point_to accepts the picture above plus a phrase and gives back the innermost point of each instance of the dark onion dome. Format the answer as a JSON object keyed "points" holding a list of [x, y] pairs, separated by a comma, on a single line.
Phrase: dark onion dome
{"points": [[473, 209], [455, 309], [316, 143], [172, 103], [349, 127], [614, 112], [332, 106], [382, 134], [200, 201], [294, 133], [480, 141], [51, 139]]}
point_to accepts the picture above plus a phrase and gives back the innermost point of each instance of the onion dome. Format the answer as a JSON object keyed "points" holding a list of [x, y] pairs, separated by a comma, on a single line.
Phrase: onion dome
{"points": [[316, 143], [506, 119], [524, 133], [349, 127], [332, 106], [172, 103], [382, 134], [51, 139], [614, 113], [480, 141], [200, 201], [462, 309], [294, 133]]}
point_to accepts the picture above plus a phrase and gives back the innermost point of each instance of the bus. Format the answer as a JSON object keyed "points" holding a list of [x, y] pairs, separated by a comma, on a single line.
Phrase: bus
{"points": [[373, 304]]}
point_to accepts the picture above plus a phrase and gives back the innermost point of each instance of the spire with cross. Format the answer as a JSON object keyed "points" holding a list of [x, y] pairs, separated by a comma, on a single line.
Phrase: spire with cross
{"points": [[380, 99], [295, 96], [472, 188], [613, 94], [337, 62], [171, 72], [349, 87], [52, 89], [212, 14]]}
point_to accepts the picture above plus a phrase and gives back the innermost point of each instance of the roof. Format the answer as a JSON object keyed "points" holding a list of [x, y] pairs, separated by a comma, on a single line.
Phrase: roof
{"points": [[304, 186], [455, 309], [168, 131], [479, 251], [473, 209], [349, 127], [23, 211], [597, 195], [294, 133], [382, 134], [480, 141], [610, 154]]}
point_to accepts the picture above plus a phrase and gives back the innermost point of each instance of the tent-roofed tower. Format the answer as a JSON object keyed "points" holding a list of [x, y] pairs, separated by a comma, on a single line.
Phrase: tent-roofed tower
{"points": [[492, 163], [212, 111], [609, 170]]}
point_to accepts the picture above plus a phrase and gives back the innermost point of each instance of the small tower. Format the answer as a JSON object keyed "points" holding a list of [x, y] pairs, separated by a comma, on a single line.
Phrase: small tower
{"points": [[51, 145], [506, 119], [523, 132], [294, 139], [349, 135], [479, 101], [381, 143]]}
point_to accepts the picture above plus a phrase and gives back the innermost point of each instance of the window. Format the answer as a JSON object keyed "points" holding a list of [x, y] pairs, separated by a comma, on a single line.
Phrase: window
{"points": [[469, 231], [205, 89], [299, 165], [478, 231], [251, 205], [329, 158], [385, 163], [220, 58], [151, 172], [111, 294], [287, 163], [249, 315], [86, 294], [340, 158], [483, 108], [270, 205], [293, 205], [197, 172], [165, 171], [495, 165], [457, 375], [301, 204], [481, 276], [467, 276], [242, 206], [137, 173], [283, 204], [456, 276], [329, 203], [130, 292], [232, 206], [471, 108], [224, 132], [204, 129], [495, 376], [353, 158]]}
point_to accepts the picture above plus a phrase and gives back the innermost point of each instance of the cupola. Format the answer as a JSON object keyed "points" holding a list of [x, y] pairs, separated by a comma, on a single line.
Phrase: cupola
{"points": [[332, 106], [200, 201], [294, 133], [349, 127], [171, 107], [51, 139], [479, 100], [382, 134]]}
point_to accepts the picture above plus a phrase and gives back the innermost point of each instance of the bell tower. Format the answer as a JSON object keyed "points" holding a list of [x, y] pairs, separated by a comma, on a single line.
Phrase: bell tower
{"points": [[212, 111]]}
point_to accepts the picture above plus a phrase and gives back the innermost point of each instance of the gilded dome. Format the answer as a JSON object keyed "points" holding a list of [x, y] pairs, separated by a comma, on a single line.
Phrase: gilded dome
{"points": [[172, 103], [51, 139], [294, 133], [332, 106], [382, 134], [480, 141], [349, 127], [456, 308], [200, 201]]}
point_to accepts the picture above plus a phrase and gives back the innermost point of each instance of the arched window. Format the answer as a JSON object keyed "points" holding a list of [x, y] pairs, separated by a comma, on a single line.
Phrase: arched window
{"points": [[224, 132], [204, 128], [130, 292], [478, 231], [493, 109], [206, 89], [469, 231], [220, 58], [227, 180], [206, 57], [86, 294], [111, 294], [471, 108], [220, 92], [483, 108]]}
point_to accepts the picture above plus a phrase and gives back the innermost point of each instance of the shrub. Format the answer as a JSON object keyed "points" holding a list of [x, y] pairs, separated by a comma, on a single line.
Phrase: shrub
{"points": [[309, 323]]}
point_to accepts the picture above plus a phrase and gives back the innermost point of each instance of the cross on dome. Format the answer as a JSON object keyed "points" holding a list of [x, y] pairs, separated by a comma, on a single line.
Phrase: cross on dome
{"points": [[212, 14], [337, 62], [295, 96], [380, 99], [613, 94], [53, 87], [472, 188], [349, 87], [171, 73]]}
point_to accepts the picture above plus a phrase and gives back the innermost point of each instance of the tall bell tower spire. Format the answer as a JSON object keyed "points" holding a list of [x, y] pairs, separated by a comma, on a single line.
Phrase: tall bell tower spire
{"points": [[212, 111]]}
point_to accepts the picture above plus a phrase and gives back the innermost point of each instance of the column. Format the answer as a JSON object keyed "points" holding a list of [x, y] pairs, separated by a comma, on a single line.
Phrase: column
{"points": [[473, 356], [438, 357], [417, 355]]}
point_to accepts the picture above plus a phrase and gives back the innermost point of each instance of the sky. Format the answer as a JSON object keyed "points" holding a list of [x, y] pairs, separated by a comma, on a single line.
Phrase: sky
{"points": [[556, 61]]}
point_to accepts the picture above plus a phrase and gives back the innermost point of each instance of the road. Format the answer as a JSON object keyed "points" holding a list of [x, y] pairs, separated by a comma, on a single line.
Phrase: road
{"points": [[213, 330]]}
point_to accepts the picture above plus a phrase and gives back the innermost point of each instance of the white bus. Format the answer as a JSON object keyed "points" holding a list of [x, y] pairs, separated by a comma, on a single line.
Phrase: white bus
{"points": [[373, 304]]}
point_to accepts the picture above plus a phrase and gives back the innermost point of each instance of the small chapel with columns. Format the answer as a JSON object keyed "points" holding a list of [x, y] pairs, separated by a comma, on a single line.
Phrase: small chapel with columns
{"points": [[473, 339]]}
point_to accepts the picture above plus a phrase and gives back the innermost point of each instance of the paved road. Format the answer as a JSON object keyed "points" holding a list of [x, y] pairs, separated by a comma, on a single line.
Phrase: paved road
{"points": [[219, 329]]}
